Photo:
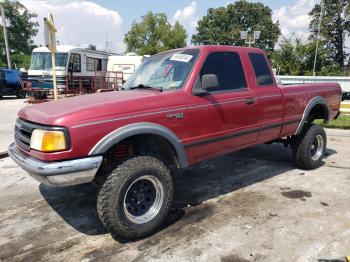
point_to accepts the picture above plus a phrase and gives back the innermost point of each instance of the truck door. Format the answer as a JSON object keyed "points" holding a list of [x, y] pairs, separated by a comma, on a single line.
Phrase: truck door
{"points": [[271, 99], [226, 117]]}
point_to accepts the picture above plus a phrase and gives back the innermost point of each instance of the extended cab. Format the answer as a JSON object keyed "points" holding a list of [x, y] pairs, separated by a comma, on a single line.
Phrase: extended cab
{"points": [[179, 108]]}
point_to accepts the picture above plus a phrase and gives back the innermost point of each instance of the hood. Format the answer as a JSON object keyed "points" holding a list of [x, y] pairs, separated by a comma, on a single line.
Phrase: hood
{"points": [[69, 111]]}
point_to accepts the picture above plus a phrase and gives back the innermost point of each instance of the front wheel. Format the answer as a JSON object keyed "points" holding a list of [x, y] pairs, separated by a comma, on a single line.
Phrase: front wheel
{"points": [[135, 198], [21, 93], [310, 147]]}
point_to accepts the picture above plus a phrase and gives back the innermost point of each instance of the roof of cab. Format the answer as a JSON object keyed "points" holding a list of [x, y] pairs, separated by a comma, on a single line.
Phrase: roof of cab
{"points": [[230, 47], [221, 47]]}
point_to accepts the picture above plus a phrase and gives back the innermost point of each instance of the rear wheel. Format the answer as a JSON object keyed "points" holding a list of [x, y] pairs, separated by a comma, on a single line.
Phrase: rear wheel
{"points": [[135, 198], [310, 147]]}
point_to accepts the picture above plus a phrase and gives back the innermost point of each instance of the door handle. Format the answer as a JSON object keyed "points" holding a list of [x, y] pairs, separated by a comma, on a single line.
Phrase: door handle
{"points": [[250, 100]]}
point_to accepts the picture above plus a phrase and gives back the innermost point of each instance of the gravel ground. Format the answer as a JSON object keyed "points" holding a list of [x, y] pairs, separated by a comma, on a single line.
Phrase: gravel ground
{"points": [[252, 205]]}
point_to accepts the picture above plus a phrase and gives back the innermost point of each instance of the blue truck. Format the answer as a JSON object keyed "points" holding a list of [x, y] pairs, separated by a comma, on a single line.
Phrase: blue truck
{"points": [[11, 83]]}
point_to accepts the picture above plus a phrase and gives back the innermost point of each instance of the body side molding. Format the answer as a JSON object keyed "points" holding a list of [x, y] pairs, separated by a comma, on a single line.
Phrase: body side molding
{"points": [[138, 129], [318, 100]]}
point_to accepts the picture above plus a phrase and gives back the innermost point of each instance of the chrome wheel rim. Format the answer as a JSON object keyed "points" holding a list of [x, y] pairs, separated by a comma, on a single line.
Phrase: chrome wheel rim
{"points": [[143, 199], [317, 148]]}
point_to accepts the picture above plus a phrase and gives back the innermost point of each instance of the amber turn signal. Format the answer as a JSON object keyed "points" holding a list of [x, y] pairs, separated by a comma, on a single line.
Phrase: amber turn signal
{"points": [[48, 140]]}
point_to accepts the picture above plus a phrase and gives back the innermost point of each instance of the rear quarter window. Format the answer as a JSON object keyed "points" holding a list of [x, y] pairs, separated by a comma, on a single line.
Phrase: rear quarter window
{"points": [[261, 69]]}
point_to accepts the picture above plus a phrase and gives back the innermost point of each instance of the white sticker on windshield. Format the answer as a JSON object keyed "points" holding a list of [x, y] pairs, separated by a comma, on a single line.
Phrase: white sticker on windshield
{"points": [[181, 58]]}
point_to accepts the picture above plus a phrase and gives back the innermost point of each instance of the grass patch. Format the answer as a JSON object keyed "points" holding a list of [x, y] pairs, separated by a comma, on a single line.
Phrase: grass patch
{"points": [[343, 122]]}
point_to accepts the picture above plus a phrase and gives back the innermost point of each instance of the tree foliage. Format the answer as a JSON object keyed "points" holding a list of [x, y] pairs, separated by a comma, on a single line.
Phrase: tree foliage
{"points": [[21, 28], [223, 25], [293, 57], [335, 26], [154, 34]]}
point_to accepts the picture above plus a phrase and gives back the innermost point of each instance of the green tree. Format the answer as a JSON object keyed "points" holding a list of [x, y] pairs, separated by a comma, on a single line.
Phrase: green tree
{"points": [[154, 34], [295, 58], [335, 25], [285, 59], [21, 29], [223, 25]]}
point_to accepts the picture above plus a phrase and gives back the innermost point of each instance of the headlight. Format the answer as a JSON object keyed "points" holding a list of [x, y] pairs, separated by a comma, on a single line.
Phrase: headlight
{"points": [[48, 140]]}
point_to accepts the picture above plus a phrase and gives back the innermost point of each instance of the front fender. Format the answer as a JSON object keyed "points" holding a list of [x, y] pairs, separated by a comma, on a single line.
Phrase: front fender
{"points": [[138, 129]]}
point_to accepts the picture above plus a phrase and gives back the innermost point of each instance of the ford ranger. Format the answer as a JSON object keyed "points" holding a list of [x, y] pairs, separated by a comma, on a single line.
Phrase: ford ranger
{"points": [[179, 108]]}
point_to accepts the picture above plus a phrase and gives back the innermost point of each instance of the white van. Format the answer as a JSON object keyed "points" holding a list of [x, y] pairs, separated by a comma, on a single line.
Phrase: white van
{"points": [[127, 64]]}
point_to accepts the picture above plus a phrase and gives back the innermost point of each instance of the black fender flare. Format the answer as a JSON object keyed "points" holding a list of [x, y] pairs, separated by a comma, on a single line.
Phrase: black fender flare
{"points": [[318, 100], [138, 129]]}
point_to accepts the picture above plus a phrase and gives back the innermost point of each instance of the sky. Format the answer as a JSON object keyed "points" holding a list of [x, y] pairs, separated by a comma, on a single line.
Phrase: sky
{"points": [[82, 22]]}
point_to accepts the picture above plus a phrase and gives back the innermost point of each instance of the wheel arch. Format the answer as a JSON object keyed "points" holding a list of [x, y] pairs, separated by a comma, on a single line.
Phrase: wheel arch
{"points": [[144, 128], [317, 108]]}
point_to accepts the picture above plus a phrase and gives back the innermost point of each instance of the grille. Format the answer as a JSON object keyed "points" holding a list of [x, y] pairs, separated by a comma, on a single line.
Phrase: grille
{"points": [[23, 133], [24, 130]]}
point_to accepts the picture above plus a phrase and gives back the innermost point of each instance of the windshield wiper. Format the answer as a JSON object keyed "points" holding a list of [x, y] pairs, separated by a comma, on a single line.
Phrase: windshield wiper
{"points": [[147, 87]]}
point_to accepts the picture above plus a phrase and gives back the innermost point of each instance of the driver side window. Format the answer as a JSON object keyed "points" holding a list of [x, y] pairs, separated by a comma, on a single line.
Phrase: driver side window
{"points": [[75, 61], [228, 68]]}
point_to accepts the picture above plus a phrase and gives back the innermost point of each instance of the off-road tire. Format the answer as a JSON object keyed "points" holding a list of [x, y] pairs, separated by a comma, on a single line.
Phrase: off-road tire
{"points": [[302, 148], [112, 194]]}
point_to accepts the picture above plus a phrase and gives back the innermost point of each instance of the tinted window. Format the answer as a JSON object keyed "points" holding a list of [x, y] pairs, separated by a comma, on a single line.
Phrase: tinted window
{"points": [[228, 68], [261, 69]]}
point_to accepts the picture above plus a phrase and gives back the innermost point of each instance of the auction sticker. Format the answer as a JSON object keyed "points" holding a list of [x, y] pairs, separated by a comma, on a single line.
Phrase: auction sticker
{"points": [[181, 58]]}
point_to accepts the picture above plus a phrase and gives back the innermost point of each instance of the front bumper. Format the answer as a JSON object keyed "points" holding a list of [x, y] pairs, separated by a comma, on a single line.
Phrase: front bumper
{"points": [[62, 173]]}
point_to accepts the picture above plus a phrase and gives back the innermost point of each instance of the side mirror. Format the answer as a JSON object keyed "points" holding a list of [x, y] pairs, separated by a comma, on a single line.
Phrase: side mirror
{"points": [[197, 88], [210, 81], [70, 67]]}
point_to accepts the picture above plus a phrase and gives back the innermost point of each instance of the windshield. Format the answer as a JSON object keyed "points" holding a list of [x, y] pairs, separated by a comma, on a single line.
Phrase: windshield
{"points": [[167, 71], [42, 61]]}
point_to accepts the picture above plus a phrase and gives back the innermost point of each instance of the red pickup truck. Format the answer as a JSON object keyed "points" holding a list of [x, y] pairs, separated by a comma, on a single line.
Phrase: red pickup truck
{"points": [[181, 107]]}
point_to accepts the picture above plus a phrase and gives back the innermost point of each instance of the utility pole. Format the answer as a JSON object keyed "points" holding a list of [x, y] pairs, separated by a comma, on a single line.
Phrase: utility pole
{"points": [[50, 42], [5, 34], [318, 37], [107, 43]]}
